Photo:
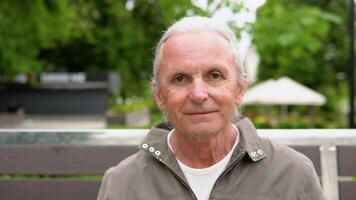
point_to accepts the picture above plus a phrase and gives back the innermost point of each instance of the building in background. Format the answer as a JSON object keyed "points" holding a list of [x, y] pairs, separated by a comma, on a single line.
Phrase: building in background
{"points": [[57, 99]]}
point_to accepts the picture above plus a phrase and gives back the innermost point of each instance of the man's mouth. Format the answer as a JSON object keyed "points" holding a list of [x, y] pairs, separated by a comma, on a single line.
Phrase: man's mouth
{"points": [[200, 113]]}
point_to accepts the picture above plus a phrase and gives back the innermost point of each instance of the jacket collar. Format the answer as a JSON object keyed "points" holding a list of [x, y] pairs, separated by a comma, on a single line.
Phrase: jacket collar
{"points": [[155, 143], [250, 142]]}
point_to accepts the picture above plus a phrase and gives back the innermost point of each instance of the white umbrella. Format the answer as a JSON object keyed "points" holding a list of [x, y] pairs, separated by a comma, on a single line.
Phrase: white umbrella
{"points": [[283, 91]]}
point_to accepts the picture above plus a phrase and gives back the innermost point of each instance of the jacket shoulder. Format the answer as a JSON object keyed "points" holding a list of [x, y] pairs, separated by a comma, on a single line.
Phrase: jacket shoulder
{"points": [[120, 179], [280, 152], [296, 169], [129, 165]]}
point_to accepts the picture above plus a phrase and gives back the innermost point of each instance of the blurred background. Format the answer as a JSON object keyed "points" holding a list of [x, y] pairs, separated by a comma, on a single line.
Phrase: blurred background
{"points": [[88, 64]]}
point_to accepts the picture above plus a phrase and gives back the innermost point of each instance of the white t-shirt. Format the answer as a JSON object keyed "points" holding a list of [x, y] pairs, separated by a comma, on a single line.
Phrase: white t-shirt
{"points": [[202, 180]]}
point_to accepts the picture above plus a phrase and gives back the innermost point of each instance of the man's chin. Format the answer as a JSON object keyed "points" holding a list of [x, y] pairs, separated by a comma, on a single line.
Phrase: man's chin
{"points": [[202, 129]]}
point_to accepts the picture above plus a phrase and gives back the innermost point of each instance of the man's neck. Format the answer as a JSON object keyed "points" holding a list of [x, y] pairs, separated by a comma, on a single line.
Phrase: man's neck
{"points": [[203, 152]]}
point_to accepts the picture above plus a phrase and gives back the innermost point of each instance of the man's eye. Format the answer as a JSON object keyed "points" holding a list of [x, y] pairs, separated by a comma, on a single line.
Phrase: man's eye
{"points": [[215, 75], [179, 79]]}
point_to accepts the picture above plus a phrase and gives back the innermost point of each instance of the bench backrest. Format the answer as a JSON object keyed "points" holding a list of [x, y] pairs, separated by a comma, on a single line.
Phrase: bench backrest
{"points": [[73, 172], [74, 163], [346, 156]]}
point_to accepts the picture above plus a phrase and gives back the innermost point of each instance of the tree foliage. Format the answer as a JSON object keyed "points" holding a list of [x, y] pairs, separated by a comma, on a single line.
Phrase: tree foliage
{"points": [[305, 40], [28, 26], [79, 35]]}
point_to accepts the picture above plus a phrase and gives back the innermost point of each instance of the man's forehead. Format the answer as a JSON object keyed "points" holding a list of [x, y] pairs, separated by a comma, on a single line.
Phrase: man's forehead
{"points": [[192, 53], [193, 45], [200, 32], [186, 35]]}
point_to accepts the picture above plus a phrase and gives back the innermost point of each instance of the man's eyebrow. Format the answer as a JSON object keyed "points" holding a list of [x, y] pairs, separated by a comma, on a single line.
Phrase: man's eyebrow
{"points": [[173, 73], [217, 67]]}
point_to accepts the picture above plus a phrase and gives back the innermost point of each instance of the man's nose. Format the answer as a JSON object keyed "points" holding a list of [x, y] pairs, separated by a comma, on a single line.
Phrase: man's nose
{"points": [[199, 91]]}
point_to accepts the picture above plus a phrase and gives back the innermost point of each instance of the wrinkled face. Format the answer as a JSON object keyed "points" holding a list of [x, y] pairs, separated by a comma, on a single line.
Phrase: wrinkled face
{"points": [[198, 83]]}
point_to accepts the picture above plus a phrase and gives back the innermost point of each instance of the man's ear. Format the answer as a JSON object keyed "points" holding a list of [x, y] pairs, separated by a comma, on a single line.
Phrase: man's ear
{"points": [[157, 94], [240, 92]]}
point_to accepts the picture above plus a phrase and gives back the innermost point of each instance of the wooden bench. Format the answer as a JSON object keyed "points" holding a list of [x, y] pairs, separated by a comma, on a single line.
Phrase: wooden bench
{"points": [[73, 172], [62, 161], [346, 167]]}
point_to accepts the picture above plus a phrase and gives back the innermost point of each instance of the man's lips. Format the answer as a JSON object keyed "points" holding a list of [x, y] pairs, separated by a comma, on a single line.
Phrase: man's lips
{"points": [[199, 112]]}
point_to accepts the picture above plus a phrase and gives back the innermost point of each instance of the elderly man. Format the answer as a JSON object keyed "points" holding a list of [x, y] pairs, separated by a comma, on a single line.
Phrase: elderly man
{"points": [[203, 152]]}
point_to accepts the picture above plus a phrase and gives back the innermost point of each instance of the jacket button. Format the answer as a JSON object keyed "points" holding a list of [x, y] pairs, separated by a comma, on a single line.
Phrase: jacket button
{"points": [[157, 153], [152, 149], [260, 151], [144, 146]]}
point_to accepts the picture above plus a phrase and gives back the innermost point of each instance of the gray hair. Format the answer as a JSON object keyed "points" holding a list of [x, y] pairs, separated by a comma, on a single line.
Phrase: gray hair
{"points": [[196, 24]]}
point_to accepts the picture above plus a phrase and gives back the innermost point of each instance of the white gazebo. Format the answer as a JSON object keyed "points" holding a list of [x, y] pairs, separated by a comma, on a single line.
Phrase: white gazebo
{"points": [[283, 91]]}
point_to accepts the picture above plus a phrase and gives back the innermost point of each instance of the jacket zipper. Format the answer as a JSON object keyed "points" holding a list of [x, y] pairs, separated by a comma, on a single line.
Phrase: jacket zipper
{"points": [[180, 179], [227, 170]]}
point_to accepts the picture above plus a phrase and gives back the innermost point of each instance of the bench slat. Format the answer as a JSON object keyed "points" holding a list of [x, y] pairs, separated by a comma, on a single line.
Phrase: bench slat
{"points": [[313, 153], [49, 189], [347, 190], [347, 160], [61, 159]]}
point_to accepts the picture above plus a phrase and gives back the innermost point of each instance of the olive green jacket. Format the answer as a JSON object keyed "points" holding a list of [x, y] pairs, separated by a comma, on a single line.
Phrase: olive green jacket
{"points": [[259, 169]]}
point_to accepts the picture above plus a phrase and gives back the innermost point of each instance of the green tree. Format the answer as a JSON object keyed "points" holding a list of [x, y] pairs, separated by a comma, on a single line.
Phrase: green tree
{"points": [[297, 39], [116, 36], [90, 36], [28, 26]]}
